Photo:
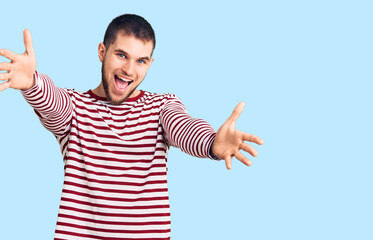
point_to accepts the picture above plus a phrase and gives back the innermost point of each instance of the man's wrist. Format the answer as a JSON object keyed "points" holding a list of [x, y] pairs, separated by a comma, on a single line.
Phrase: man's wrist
{"points": [[33, 83], [211, 154]]}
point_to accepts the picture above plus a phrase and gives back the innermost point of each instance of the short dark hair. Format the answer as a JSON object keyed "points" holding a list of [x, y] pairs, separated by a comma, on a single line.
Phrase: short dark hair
{"points": [[131, 25]]}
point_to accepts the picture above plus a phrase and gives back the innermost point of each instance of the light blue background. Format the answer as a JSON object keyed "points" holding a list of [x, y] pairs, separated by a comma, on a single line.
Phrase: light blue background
{"points": [[304, 69]]}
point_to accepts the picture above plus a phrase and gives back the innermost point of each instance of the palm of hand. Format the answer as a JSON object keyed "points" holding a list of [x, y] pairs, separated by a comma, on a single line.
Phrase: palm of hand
{"points": [[229, 141], [22, 67]]}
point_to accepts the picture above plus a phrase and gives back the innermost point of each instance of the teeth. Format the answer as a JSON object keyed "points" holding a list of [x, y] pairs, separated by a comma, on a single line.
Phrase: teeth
{"points": [[124, 80]]}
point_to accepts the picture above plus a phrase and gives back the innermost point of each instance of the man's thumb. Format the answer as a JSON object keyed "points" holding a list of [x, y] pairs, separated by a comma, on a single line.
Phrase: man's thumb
{"points": [[28, 41]]}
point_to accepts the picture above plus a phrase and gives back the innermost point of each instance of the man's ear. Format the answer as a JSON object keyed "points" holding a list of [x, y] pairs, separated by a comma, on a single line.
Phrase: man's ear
{"points": [[151, 61], [101, 51]]}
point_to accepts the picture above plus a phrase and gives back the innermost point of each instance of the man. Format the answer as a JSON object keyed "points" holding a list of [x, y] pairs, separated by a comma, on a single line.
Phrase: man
{"points": [[114, 139]]}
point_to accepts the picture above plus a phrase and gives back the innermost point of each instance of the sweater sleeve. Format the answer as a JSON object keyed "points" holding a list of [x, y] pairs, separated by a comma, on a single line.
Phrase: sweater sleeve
{"points": [[192, 135], [53, 105]]}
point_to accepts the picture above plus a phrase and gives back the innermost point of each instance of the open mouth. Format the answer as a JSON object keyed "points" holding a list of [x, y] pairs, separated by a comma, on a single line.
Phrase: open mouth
{"points": [[122, 83]]}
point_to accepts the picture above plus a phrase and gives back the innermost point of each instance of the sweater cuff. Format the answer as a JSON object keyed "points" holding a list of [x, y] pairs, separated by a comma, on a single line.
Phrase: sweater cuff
{"points": [[211, 155]]}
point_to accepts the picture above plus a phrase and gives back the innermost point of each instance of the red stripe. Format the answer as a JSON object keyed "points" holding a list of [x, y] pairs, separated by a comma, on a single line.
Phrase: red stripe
{"points": [[115, 182], [114, 159], [152, 190], [105, 238], [113, 167], [149, 135], [119, 215], [124, 175], [121, 169], [128, 133], [114, 222], [99, 119], [111, 159], [154, 101], [105, 150], [105, 230], [94, 204], [111, 144]]}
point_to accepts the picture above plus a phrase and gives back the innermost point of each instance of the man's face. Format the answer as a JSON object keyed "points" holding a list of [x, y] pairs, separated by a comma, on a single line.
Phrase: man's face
{"points": [[124, 66]]}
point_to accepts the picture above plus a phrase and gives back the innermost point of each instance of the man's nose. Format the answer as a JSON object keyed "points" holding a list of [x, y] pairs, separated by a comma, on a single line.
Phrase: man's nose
{"points": [[129, 67]]}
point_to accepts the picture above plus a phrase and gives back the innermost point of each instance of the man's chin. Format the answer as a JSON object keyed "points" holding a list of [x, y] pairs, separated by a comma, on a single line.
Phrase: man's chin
{"points": [[116, 101]]}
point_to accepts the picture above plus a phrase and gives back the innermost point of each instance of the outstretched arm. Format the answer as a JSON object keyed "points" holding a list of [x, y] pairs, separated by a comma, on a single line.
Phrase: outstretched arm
{"points": [[229, 141], [20, 71], [53, 105], [192, 135]]}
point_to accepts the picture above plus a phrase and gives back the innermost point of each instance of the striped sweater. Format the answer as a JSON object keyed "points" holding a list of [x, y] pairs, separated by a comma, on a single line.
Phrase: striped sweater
{"points": [[115, 158]]}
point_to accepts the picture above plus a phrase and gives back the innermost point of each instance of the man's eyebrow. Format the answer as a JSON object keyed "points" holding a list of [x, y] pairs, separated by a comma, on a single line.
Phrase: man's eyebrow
{"points": [[120, 51], [144, 58], [125, 53]]}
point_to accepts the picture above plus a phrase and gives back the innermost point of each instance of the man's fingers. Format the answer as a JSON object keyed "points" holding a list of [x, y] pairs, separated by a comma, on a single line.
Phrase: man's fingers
{"points": [[8, 54], [5, 66], [228, 162], [237, 112], [4, 86], [249, 149], [27, 39], [242, 158], [252, 138], [4, 76]]}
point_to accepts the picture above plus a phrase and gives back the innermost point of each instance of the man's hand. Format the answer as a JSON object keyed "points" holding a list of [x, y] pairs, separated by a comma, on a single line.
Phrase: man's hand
{"points": [[20, 71], [229, 141]]}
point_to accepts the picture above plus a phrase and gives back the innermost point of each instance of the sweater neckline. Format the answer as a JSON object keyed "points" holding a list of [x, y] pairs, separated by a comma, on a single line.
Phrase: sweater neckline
{"points": [[132, 99]]}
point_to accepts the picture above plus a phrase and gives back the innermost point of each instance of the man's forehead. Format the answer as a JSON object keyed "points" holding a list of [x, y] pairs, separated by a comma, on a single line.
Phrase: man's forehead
{"points": [[126, 42]]}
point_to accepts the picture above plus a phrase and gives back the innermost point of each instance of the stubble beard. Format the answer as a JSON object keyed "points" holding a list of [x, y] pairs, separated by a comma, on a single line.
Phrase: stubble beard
{"points": [[105, 83]]}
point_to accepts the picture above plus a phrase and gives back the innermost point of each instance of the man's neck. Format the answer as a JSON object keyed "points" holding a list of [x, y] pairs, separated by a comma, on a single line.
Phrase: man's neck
{"points": [[99, 91]]}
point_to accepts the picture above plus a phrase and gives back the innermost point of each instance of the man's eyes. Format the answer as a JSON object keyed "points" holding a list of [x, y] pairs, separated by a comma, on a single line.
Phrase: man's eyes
{"points": [[141, 61]]}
